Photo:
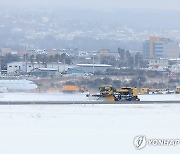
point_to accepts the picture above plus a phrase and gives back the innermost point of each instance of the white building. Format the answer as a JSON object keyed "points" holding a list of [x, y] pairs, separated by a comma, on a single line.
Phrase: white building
{"points": [[58, 66], [175, 68], [91, 68], [158, 64], [15, 68]]}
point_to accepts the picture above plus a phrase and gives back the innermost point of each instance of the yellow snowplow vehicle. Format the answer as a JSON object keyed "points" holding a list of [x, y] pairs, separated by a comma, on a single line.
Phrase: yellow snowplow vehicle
{"points": [[127, 93], [109, 93]]}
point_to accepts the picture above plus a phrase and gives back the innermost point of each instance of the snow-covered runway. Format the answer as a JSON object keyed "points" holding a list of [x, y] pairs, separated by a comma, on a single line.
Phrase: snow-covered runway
{"points": [[41, 97], [5, 97], [86, 129]]}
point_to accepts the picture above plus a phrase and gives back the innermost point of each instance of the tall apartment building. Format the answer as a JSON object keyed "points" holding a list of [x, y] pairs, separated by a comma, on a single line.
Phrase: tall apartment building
{"points": [[157, 47]]}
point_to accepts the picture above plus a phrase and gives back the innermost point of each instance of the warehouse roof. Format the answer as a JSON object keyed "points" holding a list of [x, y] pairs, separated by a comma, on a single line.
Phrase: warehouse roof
{"points": [[95, 65]]}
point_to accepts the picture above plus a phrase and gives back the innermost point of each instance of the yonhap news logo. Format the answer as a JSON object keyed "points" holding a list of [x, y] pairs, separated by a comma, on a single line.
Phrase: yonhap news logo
{"points": [[142, 141]]}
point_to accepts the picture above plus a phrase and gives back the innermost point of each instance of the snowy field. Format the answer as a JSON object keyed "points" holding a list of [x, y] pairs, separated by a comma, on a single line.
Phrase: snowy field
{"points": [[86, 129], [42, 97], [75, 97]]}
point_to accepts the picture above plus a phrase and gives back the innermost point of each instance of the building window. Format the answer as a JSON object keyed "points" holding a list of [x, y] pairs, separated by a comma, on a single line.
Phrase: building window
{"points": [[10, 66], [15, 66]]}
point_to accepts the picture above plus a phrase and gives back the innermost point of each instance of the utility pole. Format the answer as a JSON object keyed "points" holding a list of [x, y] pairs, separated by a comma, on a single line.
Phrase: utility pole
{"points": [[26, 62], [93, 63], [134, 60], [138, 85]]}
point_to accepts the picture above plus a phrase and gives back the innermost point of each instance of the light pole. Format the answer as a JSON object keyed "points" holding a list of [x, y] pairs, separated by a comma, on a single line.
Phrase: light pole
{"points": [[138, 85], [93, 63]]}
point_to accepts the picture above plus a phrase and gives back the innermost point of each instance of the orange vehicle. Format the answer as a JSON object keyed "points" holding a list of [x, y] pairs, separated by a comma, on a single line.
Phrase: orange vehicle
{"points": [[72, 89]]}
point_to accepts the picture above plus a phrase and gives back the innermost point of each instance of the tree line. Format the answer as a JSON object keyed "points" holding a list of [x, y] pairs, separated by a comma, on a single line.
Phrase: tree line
{"points": [[39, 58]]}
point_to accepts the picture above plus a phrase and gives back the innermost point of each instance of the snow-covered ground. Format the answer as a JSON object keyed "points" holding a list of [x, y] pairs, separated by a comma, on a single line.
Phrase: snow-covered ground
{"points": [[160, 97], [41, 97], [86, 129], [75, 97]]}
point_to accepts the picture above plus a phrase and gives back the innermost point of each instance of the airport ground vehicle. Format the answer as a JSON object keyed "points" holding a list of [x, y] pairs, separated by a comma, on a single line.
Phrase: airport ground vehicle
{"points": [[109, 93], [73, 89], [157, 91], [177, 91]]}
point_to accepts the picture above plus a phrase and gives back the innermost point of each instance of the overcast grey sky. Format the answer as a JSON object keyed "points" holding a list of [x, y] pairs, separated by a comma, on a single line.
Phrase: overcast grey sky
{"points": [[98, 4]]}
